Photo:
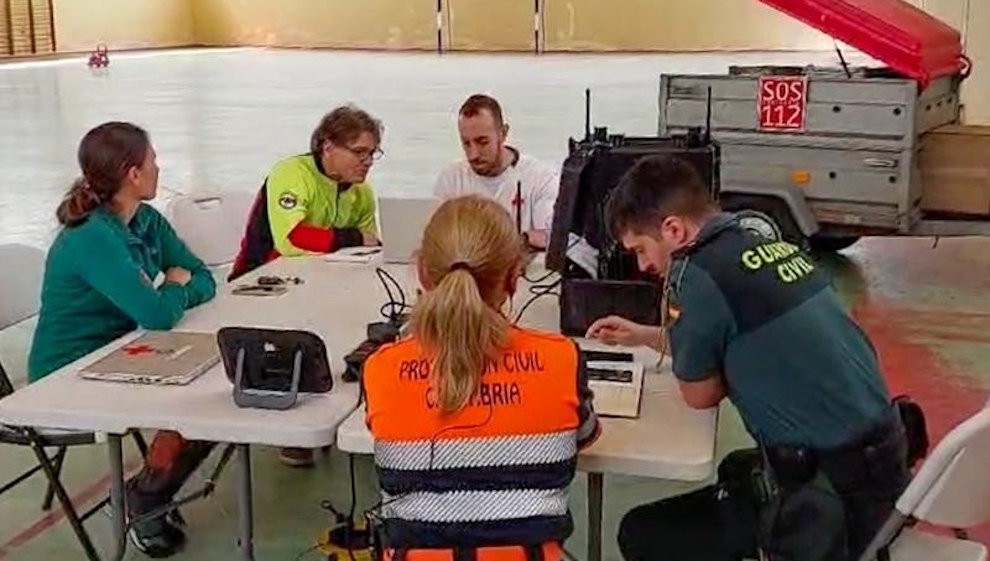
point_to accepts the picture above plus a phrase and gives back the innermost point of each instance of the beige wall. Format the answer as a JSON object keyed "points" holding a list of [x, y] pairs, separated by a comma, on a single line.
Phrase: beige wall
{"points": [[501, 25], [80, 25], [492, 25], [379, 24], [568, 25], [976, 91], [673, 25]]}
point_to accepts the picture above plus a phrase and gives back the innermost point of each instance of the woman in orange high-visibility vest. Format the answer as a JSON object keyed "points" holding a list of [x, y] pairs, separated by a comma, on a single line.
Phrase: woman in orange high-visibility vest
{"points": [[476, 422]]}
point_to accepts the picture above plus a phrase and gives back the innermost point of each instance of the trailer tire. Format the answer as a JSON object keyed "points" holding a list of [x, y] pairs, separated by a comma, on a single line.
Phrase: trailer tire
{"points": [[832, 243], [767, 217]]}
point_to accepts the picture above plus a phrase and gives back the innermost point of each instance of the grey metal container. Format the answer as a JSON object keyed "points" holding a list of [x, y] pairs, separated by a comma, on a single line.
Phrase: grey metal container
{"points": [[857, 154]]}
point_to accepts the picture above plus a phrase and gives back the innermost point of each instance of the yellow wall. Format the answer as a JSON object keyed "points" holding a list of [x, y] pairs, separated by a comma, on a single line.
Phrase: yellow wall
{"points": [[80, 25], [673, 25], [382, 24], [502, 24], [493, 25], [568, 25]]}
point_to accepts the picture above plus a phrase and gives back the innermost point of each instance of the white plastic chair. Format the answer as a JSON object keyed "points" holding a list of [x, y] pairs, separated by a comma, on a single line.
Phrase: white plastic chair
{"points": [[212, 224], [951, 490], [22, 268]]}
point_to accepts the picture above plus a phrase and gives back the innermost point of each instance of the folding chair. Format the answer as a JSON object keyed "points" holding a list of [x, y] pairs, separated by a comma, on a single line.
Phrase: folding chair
{"points": [[212, 224], [21, 278], [50, 466], [951, 490]]}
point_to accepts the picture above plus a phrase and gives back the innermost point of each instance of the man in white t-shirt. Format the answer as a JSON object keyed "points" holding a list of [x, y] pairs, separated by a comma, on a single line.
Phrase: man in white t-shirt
{"points": [[526, 187]]}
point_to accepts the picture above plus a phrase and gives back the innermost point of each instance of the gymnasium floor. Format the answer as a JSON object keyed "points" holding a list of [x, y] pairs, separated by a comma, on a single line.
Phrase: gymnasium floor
{"points": [[220, 118]]}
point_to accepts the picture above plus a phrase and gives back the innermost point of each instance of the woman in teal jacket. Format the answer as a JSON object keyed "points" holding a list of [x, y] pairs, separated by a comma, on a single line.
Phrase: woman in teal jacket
{"points": [[100, 284], [99, 274]]}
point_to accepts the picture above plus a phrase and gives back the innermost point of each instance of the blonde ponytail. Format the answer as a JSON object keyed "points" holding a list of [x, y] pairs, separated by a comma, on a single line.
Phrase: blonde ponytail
{"points": [[470, 249], [463, 331]]}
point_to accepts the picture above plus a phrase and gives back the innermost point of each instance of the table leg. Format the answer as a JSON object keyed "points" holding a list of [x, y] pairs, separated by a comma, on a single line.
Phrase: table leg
{"points": [[596, 483], [245, 505], [118, 515]]}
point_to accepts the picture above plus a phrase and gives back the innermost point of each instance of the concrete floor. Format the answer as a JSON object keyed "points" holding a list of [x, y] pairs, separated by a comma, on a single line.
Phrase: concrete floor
{"points": [[219, 119]]}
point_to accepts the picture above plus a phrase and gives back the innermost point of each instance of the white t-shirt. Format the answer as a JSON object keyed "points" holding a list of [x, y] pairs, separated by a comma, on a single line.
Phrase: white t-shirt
{"points": [[537, 182]]}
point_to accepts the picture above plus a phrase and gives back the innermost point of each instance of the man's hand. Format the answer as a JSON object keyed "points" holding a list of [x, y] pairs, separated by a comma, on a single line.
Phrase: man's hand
{"points": [[615, 330], [369, 240], [178, 275]]}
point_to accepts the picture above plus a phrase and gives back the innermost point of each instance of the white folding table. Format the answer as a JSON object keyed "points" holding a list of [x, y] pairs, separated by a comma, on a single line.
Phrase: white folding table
{"points": [[335, 301]]}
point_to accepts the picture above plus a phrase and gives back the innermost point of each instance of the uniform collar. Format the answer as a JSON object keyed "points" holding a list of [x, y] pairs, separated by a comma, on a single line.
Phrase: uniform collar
{"points": [[709, 231], [515, 156], [135, 231], [512, 164], [319, 167]]}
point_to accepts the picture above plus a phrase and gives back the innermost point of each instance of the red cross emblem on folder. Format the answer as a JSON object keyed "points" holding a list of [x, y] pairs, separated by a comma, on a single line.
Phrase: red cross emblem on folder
{"points": [[137, 350]]}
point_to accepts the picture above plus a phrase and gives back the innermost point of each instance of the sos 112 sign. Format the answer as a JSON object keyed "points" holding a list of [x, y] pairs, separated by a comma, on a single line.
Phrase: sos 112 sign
{"points": [[782, 103]]}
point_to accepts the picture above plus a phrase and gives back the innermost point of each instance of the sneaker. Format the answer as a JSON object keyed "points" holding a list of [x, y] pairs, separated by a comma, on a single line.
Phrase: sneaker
{"points": [[158, 537], [296, 457]]}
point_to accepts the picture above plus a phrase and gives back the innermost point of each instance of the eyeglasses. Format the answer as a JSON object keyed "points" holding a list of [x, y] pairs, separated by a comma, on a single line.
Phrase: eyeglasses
{"points": [[363, 154]]}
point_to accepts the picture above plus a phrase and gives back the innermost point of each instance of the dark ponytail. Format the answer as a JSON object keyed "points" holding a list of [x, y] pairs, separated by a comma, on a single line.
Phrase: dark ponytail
{"points": [[106, 155], [78, 203]]}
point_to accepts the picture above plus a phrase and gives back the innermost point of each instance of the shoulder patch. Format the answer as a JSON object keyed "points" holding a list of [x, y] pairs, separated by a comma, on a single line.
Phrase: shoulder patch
{"points": [[288, 200]]}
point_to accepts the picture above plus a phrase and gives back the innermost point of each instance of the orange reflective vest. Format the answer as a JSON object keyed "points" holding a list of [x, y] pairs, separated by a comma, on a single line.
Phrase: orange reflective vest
{"points": [[493, 473]]}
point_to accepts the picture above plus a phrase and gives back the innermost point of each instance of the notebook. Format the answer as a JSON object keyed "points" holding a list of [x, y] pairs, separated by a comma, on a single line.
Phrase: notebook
{"points": [[617, 386], [168, 358]]}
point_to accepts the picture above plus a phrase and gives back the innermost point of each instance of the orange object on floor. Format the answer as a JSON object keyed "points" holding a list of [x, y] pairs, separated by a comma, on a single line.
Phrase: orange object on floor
{"points": [[551, 551]]}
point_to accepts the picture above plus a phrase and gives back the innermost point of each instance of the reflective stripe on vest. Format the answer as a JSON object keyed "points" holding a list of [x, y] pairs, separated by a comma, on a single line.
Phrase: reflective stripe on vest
{"points": [[499, 468]]}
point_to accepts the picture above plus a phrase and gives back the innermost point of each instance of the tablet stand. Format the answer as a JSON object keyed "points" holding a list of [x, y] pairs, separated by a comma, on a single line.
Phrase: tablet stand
{"points": [[266, 399]]}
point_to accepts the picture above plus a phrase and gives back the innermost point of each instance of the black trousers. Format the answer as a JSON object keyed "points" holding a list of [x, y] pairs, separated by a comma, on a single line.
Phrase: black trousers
{"points": [[829, 516]]}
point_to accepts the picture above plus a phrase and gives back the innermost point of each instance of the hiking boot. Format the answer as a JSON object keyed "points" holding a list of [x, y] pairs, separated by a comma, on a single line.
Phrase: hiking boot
{"points": [[157, 537]]}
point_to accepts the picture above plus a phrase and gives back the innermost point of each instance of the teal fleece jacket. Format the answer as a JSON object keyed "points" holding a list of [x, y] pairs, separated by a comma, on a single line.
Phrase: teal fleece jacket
{"points": [[98, 286]]}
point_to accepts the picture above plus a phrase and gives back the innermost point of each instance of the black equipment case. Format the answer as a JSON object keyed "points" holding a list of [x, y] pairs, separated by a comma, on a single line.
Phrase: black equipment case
{"points": [[591, 171]]}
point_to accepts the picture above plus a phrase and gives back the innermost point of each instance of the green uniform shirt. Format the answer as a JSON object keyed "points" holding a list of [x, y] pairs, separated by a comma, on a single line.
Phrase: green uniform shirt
{"points": [[798, 368], [98, 286], [298, 192]]}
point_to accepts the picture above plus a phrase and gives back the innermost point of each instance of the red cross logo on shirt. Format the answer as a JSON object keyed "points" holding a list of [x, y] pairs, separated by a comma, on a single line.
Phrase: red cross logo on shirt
{"points": [[517, 201]]}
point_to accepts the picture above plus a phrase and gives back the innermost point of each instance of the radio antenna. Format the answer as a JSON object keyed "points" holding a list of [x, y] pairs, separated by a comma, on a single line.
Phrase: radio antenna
{"points": [[708, 118], [587, 114]]}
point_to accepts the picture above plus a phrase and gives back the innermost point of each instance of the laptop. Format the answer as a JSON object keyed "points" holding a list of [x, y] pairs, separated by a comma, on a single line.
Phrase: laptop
{"points": [[618, 387], [402, 221], [164, 358]]}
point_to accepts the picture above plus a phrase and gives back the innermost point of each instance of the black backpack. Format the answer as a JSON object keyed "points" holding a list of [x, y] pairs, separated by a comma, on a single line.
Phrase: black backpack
{"points": [[913, 419]]}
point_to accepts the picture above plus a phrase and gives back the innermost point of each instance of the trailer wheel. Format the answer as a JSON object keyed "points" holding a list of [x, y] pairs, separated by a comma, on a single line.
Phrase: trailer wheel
{"points": [[766, 217], [832, 243]]}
